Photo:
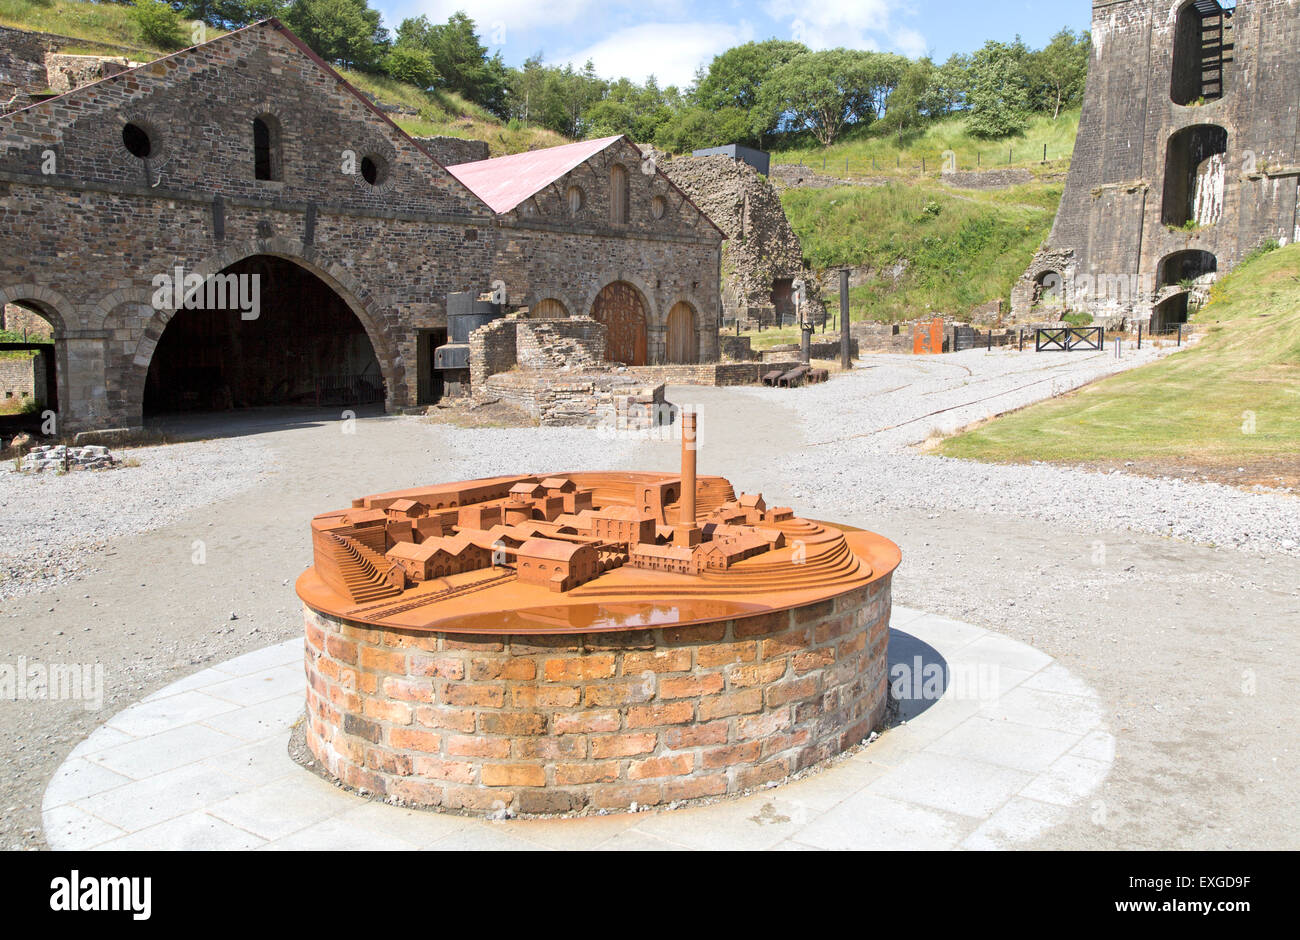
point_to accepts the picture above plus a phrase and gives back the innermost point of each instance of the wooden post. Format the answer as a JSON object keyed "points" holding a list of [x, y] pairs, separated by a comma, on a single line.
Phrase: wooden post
{"points": [[845, 362]]}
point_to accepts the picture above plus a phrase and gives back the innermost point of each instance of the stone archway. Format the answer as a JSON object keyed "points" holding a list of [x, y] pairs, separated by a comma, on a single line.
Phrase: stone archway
{"points": [[682, 341], [55, 392], [128, 371], [625, 314]]}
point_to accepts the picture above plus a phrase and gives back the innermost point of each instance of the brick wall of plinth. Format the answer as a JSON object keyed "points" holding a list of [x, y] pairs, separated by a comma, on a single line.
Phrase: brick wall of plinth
{"points": [[556, 724]]}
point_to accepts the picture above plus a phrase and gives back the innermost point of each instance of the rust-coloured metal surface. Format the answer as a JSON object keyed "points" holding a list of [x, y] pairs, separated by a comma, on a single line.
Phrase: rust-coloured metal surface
{"points": [[927, 339], [579, 553], [620, 308]]}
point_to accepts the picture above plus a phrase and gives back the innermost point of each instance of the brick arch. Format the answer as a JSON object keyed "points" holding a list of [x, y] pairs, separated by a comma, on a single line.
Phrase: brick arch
{"points": [[127, 373]]}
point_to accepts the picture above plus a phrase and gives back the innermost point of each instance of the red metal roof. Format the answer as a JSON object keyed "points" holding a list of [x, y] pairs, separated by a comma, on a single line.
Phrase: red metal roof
{"points": [[505, 182]]}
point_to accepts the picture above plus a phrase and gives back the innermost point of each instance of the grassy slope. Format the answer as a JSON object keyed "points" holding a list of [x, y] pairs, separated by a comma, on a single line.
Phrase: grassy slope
{"points": [[1193, 405], [106, 27], [895, 158], [961, 248]]}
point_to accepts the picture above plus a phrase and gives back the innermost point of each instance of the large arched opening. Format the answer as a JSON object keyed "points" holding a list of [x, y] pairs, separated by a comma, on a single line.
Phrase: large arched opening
{"points": [[1202, 51], [1195, 175], [1184, 268], [682, 341], [263, 331], [622, 309]]}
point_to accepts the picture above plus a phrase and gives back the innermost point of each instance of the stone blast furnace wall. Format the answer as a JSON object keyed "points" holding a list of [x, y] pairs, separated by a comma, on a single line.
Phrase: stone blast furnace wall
{"points": [[565, 723]]}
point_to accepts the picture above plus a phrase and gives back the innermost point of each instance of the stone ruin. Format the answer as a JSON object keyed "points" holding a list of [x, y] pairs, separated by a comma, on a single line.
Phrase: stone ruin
{"points": [[762, 258], [555, 370], [59, 456]]}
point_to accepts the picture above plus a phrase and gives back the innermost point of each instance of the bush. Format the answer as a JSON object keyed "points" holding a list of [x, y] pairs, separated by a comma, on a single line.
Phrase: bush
{"points": [[410, 65], [158, 24]]}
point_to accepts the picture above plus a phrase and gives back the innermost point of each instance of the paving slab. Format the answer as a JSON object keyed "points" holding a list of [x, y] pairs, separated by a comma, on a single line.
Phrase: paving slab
{"points": [[987, 763]]}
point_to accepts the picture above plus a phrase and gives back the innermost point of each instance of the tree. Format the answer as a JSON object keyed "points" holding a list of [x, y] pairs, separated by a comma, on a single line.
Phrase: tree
{"points": [[344, 31], [1059, 71], [734, 79], [998, 96], [948, 87], [158, 24], [908, 99], [229, 14], [411, 65], [694, 128], [822, 92]]}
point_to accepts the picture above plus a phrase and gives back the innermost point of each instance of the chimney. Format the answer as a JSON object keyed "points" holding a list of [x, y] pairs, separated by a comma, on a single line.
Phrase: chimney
{"points": [[688, 468]]}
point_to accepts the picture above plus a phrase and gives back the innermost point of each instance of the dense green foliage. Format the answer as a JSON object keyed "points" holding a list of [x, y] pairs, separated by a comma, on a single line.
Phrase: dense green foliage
{"points": [[774, 94]]}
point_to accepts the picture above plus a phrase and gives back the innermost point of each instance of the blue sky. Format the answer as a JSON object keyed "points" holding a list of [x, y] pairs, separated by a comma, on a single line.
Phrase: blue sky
{"points": [[670, 38]]}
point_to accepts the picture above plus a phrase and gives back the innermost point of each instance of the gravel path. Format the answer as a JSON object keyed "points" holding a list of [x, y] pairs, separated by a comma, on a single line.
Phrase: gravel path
{"points": [[52, 525], [860, 431]]}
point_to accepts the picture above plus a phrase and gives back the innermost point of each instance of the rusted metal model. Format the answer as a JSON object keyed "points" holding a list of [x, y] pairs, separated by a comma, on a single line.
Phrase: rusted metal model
{"points": [[576, 552]]}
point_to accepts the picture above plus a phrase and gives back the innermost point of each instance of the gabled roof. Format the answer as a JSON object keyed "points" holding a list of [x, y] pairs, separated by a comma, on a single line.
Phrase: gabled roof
{"points": [[505, 182]]}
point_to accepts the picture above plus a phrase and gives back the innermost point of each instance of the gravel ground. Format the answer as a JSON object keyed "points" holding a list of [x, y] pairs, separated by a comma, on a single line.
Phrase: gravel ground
{"points": [[895, 402], [52, 525], [1192, 648]]}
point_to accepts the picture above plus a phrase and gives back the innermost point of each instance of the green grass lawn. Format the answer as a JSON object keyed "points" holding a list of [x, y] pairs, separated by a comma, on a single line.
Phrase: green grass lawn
{"points": [[877, 152], [1233, 398], [96, 23]]}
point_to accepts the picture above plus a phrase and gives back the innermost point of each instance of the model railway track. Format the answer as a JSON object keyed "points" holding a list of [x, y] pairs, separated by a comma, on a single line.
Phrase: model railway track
{"points": [[381, 611]]}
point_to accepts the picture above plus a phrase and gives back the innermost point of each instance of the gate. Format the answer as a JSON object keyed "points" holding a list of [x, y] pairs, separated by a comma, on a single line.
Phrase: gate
{"points": [[1070, 338], [619, 306]]}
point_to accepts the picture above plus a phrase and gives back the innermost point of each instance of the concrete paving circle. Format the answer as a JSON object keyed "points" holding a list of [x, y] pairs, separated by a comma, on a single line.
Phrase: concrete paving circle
{"points": [[999, 742]]}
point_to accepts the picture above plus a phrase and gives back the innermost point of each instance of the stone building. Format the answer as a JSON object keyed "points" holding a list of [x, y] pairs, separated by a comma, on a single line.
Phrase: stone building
{"points": [[236, 225], [762, 259], [1186, 158]]}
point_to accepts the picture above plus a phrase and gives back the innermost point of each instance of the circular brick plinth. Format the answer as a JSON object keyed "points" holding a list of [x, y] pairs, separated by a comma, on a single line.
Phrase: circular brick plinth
{"points": [[558, 724]]}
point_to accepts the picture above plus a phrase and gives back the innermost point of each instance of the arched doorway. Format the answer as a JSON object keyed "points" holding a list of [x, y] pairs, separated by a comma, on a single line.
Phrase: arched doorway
{"points": [[1184, 267], [1195, 174], [682, 342], [29, 376], [622, 309], [264, 331], [1203, 50], [549, 309], [1168, 314]]}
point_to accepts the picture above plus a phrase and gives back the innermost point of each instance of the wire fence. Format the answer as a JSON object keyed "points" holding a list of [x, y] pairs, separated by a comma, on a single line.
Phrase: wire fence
{"points": [[945, 162]]}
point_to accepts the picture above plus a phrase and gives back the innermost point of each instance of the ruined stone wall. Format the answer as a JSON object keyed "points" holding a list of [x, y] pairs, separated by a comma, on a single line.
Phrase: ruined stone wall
{"points": [[986, 179], [761, 246], [1110, 236], [66, 72], [24, 322], [450, 151], [22, 377]]}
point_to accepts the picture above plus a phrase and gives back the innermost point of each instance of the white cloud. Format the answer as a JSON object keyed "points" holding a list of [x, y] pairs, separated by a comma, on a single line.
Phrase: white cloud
{"points": [[855, 24], [671, 52], [497, 19]]}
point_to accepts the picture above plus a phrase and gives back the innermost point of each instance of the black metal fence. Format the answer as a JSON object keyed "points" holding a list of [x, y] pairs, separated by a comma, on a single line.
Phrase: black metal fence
{"points": [[1070, 338], [349, 389]]}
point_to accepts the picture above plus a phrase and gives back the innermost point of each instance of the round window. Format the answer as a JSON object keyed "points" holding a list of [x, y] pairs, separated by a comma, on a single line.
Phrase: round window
{"points": [[136, 140], [373, 170]]}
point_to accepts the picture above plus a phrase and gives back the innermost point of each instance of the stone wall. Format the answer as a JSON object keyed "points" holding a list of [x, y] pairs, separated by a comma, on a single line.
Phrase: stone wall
{"points": [[27, 323], [22, 377], [596, 400], [66, 72], [450, 151], [392, 250], [1110, 238], [761, 247], [986, 179], [559, 724]]}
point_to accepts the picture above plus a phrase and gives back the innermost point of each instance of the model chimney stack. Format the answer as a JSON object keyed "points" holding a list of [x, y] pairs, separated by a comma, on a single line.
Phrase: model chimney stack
{"points": [[688, 468]]}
